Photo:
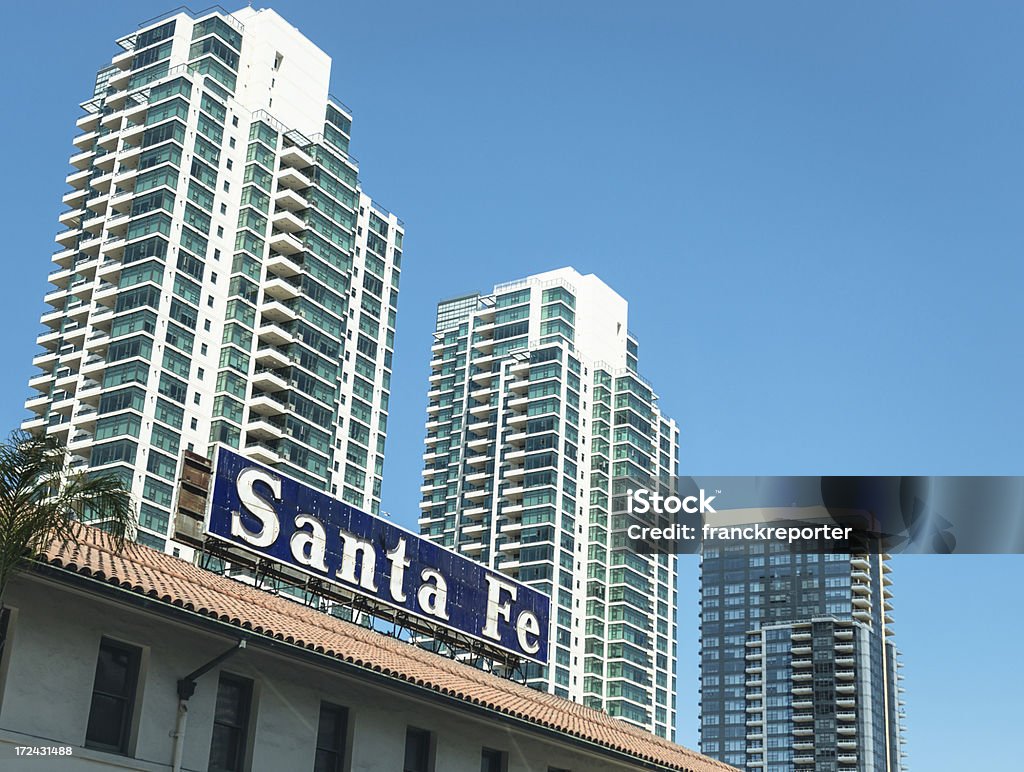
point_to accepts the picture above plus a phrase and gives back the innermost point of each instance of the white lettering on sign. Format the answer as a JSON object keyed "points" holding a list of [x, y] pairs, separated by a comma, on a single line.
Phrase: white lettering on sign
{"points": [[258, 507]]}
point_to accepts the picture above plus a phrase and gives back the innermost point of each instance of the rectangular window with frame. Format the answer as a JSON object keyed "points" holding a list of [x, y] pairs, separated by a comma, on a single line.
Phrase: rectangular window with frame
{"points": [[230, 724], [331, 736], [493, 761], [418, 750], [113, 697]]}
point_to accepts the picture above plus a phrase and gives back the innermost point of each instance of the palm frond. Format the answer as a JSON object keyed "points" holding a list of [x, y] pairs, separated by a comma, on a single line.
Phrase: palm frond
{"points": [[41, 500]]}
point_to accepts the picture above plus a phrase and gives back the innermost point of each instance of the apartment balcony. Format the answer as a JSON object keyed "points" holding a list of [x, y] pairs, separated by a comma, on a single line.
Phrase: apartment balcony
{"points": [[109, 271], [89, 121], [79, 440], [34, 424], [108, 142], [78, 179], [105, 163], [262, 452], [295, 157], [481, 427], [132, 132], [517, 419], [282, 265], [286, 221], [69, 239], [266, 404], [516, 438], [486, 346], [94, 366], [285, 243], [479, 443], [482, 410], [71, 218], [47, 359], [485, 376], [518, 387], [130, 155], [280, 288], [268, 380], [276, 311], [477, 494], [59, 430], [37, 404], [264, 428], [86, 417], [82, 160], [76, 198], [101, 183], [121, 201], [106, 293], [514, 473], [272, 357], [286, 198], [289, 177], [274, 334]]}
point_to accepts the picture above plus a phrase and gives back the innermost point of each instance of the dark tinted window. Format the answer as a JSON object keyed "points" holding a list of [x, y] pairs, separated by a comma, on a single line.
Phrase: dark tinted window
{"points": [[113, 697], [330, 738], [492, 760], [417, 750], [230, 724]]}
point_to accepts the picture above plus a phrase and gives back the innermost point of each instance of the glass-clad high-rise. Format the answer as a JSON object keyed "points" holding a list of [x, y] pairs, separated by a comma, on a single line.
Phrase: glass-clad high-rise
{"points": [[535, 406], [799, 672], [221, 276]]}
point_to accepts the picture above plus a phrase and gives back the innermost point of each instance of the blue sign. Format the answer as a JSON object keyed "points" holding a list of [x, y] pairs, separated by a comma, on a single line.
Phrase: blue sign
{"points": [[266, 513]]}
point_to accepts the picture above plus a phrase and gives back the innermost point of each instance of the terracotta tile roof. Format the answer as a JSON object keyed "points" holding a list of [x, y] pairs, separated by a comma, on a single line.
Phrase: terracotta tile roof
{"points": [[176, 582]]}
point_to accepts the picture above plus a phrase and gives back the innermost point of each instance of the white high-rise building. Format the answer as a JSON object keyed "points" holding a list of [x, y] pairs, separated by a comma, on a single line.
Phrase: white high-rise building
{"points": [[221, 276], [535, 408]]}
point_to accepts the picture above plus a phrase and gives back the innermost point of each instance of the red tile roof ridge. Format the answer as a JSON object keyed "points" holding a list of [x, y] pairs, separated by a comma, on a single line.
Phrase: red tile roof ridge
{"points": [[149, 572]]}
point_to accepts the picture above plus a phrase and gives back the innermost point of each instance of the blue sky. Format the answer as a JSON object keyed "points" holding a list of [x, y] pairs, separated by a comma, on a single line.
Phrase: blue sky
{"points": [[814, 209]]}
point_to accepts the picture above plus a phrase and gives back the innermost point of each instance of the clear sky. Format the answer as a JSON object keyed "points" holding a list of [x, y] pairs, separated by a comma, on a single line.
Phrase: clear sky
{"points": [[814, 209]]}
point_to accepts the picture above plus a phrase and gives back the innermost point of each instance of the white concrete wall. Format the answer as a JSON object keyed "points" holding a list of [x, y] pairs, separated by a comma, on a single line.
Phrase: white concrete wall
{"points": [[46, 691]]}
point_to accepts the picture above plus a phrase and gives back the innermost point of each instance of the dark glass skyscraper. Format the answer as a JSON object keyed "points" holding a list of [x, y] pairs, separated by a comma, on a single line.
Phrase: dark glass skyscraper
{"points": [[798, 669]]}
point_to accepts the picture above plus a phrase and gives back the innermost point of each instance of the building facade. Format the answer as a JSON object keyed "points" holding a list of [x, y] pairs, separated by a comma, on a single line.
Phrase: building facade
{"points": [[799, 672], [222, 277], [164, 666], [535, 406]]}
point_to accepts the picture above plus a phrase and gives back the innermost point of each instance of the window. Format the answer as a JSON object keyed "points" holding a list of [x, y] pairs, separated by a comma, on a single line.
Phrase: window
{"points": [[417, 750], [330, 738], [113, 697], [230, 724], [493, 761]]}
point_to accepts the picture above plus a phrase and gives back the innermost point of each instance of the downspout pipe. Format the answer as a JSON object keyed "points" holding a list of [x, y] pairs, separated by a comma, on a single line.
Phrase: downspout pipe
{"points": [[186, 688]]}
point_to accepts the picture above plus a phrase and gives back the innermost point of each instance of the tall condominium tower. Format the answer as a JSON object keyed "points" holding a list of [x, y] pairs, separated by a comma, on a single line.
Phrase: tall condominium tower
{"points": [[799, 672], [222, 277], [535, 406]]}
